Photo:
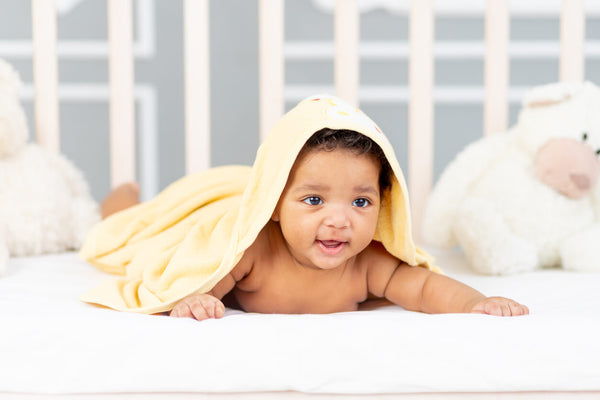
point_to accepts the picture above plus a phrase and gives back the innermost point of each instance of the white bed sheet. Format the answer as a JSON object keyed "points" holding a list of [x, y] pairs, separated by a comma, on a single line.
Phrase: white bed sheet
{"points": [[52, 343]]}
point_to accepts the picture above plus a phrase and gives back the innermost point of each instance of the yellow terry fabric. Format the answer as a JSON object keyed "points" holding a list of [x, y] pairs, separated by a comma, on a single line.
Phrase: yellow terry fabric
{"points": [[193, 233]]}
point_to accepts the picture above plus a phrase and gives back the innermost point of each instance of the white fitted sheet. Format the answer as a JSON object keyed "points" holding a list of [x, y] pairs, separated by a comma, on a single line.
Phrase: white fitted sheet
{"points": [[52, 343]]}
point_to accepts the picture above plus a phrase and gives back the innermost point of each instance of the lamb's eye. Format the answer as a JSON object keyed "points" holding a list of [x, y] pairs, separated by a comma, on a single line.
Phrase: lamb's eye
{"points": [[584, 136], [598, 152]]}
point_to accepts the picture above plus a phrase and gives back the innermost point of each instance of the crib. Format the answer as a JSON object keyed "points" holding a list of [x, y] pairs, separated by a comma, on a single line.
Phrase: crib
{"points": [[53, 346]]}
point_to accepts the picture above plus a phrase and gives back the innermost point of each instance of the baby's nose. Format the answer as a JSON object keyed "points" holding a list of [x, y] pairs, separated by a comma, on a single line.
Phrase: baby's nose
{"points": [[582, 181], [338, 218]]}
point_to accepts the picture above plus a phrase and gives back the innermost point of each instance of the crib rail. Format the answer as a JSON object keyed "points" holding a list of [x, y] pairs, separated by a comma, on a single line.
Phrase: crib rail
{"points": [[346, 66], [572, 38], [497, 31], [45, 73], [271, 64], [197, 85], [122, 110], [271, 79], [420, 106]]}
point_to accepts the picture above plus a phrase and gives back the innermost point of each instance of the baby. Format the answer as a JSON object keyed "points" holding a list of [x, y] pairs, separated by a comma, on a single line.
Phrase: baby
{"points": [[317, 253]]}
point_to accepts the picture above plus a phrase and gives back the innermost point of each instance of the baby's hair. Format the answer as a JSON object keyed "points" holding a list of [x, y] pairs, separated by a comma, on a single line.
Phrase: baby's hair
{"points": [[330, 139]]}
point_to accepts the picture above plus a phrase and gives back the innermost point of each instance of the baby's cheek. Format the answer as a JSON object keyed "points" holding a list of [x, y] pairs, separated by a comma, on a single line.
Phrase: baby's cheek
{"points": [[364, 243], [367, 233], [304, 230], [297, 233]]}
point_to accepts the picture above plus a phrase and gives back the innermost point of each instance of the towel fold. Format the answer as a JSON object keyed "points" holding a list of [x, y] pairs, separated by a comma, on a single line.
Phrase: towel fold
{"points": [[194, 232]]}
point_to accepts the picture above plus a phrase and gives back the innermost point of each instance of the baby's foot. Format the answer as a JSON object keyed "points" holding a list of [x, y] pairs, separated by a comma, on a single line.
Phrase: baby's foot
{"points": [[120, 198]]}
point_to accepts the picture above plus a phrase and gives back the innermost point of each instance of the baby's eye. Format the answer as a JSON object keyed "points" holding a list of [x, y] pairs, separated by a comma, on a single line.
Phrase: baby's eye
{"points": [[362, 202], [313, 201]]}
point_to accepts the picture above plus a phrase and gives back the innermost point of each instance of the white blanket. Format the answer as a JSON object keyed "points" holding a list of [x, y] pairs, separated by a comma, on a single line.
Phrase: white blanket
{"points": [[52, 343]]}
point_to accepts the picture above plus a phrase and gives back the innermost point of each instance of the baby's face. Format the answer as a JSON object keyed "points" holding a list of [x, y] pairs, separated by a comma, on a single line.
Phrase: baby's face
{"points": [[329, 208]]}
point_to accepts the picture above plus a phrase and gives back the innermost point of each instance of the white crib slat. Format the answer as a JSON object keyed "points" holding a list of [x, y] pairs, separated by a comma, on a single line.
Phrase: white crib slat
{"points": [[497, 36], [420, 108], [572, 38], [45, 73], [271, 64], [347, 27], [197, 85], [122, 111]]}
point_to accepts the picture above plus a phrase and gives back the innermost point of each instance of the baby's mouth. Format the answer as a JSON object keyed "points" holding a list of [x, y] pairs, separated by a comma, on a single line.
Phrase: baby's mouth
{"points": [[331, 247]]}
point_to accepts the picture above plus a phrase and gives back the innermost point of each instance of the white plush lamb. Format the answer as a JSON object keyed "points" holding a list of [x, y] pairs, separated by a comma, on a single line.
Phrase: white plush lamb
{"points": [[45, 205], [528, 198]]}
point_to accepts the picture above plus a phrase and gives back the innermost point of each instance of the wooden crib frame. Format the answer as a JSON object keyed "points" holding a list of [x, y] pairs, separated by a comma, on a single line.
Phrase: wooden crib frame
{"points": [[271, 78]]}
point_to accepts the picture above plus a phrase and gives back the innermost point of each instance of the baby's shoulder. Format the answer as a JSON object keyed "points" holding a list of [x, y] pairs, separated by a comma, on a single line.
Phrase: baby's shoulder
{"points": [[256, 253], [380, 266], [376, 255]]}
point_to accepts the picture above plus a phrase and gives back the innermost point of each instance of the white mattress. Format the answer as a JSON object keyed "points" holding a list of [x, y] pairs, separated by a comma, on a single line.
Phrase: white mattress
{"points": [[50, 343]]}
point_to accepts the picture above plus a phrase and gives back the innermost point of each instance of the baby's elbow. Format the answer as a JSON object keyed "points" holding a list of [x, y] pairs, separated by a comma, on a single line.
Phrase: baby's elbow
{"points": [[378, 284], [409, 288]]}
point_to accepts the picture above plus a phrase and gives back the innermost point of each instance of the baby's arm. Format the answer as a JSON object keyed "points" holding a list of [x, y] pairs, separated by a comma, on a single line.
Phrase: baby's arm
{"points": [[203, 306], [419, 289]]}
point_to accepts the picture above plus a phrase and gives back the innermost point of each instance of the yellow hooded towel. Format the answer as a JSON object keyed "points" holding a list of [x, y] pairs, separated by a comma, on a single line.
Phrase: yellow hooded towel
{"points": [[194, 232]]}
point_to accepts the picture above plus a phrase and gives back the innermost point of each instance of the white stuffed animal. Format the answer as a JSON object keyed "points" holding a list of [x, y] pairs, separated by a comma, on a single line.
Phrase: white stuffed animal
{"points": [[528, 198], [45, 204]]}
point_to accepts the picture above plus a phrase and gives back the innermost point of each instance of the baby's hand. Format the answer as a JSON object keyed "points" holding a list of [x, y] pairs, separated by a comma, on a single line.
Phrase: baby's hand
{"points": [[499, 306], [199, 306]]}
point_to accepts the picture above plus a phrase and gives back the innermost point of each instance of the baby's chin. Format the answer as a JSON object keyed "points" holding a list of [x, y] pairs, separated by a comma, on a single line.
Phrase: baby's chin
{"points": [[332, 258]]}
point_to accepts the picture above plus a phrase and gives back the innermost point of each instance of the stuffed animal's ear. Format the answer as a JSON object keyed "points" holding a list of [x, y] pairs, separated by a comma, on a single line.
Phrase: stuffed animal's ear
{"points": [[551, 94], [10, 81]]}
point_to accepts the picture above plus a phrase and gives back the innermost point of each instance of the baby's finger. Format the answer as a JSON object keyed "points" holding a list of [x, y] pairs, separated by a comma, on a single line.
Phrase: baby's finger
{"points": [[199, 310], [514, 308], [181, 310], [219, 309], [518, 309], [214, 307], [209, 305], [506, 311], [504, 306]]}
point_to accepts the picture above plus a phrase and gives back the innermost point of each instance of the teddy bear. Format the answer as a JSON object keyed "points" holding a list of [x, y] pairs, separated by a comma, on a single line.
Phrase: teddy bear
{"points": [[45, 202], [528, 198]]}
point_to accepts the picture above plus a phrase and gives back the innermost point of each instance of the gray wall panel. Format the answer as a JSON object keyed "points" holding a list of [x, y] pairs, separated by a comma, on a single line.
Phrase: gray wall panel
{"points": [[234, 79]]}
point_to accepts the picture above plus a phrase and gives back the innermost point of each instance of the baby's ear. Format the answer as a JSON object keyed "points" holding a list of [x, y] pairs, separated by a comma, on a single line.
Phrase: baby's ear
{"points": [[275, 215]]}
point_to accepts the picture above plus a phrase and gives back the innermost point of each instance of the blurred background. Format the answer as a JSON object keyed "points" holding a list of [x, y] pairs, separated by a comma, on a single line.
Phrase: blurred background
{"points": [[459, 32]]}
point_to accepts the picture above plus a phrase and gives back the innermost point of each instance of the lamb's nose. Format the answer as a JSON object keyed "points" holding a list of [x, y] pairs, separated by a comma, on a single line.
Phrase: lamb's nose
{"points": [[582, 181]]}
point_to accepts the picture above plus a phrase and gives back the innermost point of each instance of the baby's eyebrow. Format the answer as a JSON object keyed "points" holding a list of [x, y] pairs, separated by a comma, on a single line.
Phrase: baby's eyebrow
{"points": [[366, 189], [311, 187]]}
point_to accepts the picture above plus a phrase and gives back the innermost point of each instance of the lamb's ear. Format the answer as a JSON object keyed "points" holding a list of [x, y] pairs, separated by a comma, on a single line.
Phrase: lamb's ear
{"points": [[551, 94], [10, 80]]}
